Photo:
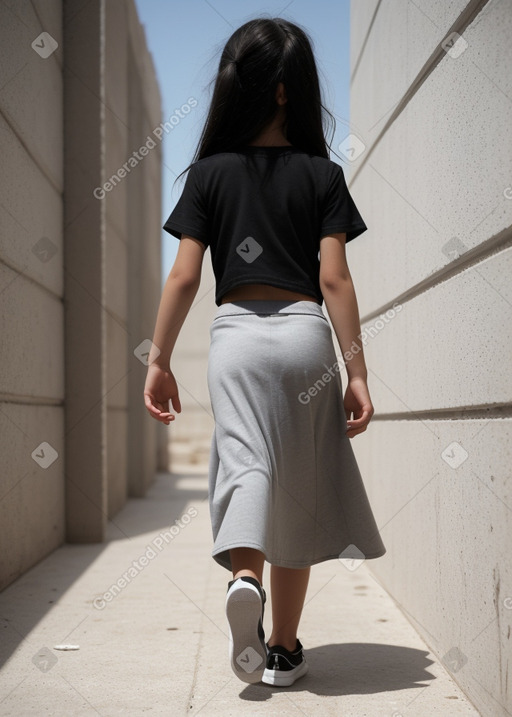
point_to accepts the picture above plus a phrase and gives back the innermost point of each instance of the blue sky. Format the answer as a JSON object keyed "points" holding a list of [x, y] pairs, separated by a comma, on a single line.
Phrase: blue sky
{"points": [[185, 40]]}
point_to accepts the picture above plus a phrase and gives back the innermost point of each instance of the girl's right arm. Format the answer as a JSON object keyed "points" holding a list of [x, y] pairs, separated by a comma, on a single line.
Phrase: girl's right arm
{"points": [[341, 302]]}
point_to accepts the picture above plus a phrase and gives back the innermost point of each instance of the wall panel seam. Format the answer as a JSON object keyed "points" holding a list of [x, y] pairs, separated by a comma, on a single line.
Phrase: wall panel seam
{"points": [[21, 273], [494, 412], [34, 159], [364, 42], [470, 12], [470, 259], [20, 400]]}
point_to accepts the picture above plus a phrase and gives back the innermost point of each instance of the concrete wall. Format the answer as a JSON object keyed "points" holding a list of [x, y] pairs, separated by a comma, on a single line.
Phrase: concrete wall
{"points": [[74, 105], [433, 184], [31, 276]]}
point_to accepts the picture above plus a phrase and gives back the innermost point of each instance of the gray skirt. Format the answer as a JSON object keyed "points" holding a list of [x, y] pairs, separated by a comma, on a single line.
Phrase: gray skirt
{"points": [[283, 478]]}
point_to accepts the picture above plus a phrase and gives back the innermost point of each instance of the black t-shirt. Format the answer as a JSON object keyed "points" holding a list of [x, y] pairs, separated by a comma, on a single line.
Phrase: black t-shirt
{"points": [[262, 211]]}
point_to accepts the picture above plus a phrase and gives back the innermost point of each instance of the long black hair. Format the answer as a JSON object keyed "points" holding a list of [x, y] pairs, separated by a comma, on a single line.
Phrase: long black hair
{"points": [[258, 55]]}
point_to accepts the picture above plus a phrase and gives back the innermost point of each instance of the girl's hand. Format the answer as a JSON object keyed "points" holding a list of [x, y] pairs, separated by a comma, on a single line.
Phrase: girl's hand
{"points": [[161, 387], [357, 402]]}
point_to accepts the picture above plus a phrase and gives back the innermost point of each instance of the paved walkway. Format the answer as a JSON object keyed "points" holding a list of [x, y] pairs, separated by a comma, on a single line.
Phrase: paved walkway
{"points": [[156, 643]]}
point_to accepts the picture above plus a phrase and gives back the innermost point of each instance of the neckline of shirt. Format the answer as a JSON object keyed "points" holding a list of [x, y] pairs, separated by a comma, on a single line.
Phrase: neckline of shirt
{"points": [[264, 149]]}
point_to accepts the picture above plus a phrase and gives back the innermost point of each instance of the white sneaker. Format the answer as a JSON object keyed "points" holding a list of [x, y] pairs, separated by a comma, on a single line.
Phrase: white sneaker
{"points": [[245, 606]]}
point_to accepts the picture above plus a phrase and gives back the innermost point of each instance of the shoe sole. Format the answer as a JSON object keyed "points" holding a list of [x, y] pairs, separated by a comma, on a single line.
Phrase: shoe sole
{"points": [[247, 651], [284, 678]]}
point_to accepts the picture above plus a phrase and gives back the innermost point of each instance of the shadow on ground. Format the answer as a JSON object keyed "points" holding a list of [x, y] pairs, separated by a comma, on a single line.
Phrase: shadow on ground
{"points": [[354, 668]]}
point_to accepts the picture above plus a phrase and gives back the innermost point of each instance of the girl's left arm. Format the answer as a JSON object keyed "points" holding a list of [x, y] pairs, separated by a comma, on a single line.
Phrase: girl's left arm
{"points": [[178, 294]]}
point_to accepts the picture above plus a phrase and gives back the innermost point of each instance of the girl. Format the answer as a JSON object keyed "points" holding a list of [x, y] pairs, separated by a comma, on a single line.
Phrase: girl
{"points": [[284, 485]]}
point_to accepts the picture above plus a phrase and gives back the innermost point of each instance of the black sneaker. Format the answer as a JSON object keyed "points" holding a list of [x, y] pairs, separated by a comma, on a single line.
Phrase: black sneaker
{"points": [[284, 667], [245, 607]]}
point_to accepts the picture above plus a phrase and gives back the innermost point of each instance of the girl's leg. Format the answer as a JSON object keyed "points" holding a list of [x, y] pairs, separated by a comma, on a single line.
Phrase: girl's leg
{"points": [[288, 586], [247, 561]]}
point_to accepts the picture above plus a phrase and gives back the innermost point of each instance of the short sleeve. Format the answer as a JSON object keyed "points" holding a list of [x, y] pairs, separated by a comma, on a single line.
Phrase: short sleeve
{"points": [[190, 215], [340, 212]]}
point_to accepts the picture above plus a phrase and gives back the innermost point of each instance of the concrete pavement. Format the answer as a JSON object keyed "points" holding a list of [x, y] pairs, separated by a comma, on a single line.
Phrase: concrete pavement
{"points": [[146, 610]]}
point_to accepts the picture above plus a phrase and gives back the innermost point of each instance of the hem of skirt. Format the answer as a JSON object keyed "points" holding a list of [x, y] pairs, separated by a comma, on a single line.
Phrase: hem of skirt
{"points": [[217, 556]]}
